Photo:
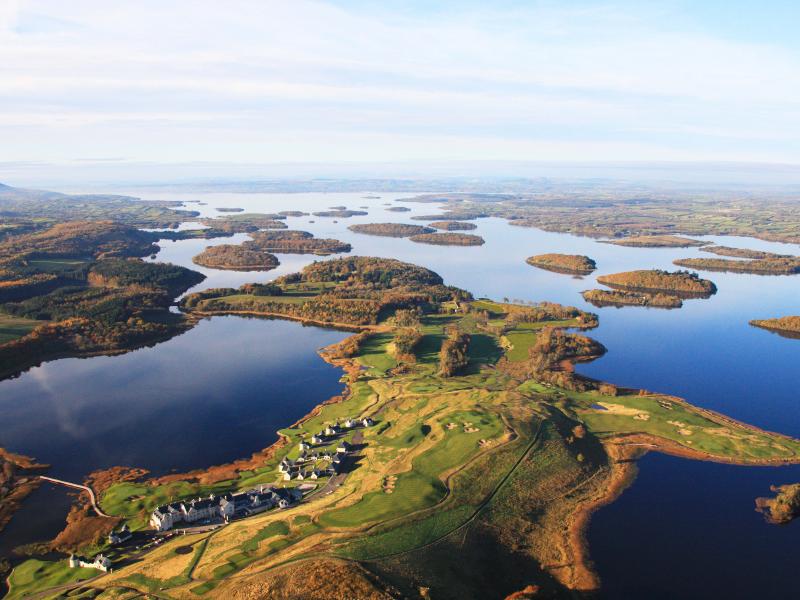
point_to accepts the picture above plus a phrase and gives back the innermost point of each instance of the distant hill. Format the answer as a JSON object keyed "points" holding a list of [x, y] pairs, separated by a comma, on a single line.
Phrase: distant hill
{"points": [[25, 204]]}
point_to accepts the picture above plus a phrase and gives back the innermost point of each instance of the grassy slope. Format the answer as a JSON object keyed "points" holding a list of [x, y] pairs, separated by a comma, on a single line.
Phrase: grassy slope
{"points": [[35, 575]]}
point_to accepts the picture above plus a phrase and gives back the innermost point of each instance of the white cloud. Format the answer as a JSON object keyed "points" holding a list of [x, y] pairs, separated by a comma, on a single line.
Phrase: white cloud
{"points": [[154, 79]]}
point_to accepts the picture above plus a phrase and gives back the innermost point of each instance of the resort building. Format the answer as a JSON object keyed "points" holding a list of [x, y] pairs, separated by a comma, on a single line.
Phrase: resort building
{"points": [[226, 506], [99, 562], [120, 535]]}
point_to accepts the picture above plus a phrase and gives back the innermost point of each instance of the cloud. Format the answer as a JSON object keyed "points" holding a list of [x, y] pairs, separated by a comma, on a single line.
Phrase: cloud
{"points": [[155, 79]]}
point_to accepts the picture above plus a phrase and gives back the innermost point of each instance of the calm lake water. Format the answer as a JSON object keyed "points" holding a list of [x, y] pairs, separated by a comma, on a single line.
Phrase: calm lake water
{"points": [[220, 391]]}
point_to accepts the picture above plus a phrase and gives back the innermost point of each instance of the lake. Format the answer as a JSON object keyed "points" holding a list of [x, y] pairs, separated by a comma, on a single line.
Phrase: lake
{"points": [[199, 399]]}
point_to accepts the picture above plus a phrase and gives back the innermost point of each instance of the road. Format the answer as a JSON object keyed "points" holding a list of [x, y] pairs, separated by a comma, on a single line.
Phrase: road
{"points": [[78, 486]]}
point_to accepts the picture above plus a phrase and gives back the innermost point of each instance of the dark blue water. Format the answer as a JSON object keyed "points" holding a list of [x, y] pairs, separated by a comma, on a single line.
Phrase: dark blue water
{"points": [[683, 530], [214, 394], [688, 529]]}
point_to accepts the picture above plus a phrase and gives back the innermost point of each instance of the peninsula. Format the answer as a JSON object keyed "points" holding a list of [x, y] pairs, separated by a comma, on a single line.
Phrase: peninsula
{"points": [[78, 289]]}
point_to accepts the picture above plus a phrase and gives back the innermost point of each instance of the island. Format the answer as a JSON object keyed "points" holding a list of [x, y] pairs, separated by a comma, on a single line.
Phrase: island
{"points": [[293, 213], [398, 209], [448, 239], [655, 241], [451, 216], [247, 220], [679, 283], [340, 213], [784, 507], [620, 298], [225, 209], [236, 258], [453, 225], [390, 229], [764, 266], [570, 264], [785, 326], [742, 252], [295, 242], [463, 427]]}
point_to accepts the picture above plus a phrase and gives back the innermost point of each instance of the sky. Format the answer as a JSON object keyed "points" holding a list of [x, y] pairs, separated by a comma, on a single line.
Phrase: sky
{"points": [[257, 82]]}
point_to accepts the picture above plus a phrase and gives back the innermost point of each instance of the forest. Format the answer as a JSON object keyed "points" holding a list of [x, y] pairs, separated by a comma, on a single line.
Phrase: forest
{"points": [[563, 263], [790, 324], [453, 225], [82, 283], [655, 241], [390, 229], [627, 298], [742, 252], [294, 242], [448, 239], [621, 213], [340, 213], [758, 266], [657, 280], [454, 353], [354, 291], [237, 258]]}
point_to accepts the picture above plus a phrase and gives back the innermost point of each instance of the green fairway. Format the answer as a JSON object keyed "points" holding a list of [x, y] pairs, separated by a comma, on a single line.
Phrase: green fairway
{"points": [[58, 265], [34, 575], [374, 355], [12, 327]]}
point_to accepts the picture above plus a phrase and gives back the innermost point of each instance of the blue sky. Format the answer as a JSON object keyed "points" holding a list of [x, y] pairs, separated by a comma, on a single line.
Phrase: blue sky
{"points": [[260, 81]]}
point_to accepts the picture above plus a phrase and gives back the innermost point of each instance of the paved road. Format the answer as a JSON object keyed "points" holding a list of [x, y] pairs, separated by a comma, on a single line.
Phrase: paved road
{"points": [[78, 486]]}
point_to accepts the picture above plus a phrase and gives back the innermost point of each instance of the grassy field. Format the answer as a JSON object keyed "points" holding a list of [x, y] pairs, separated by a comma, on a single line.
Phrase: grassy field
{"points": [[682, 423], [12, 327], [58, 265], [35, 575]]}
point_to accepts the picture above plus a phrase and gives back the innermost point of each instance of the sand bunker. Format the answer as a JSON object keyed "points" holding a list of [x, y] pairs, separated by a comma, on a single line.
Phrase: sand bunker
{"points": [[619, 409]]}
